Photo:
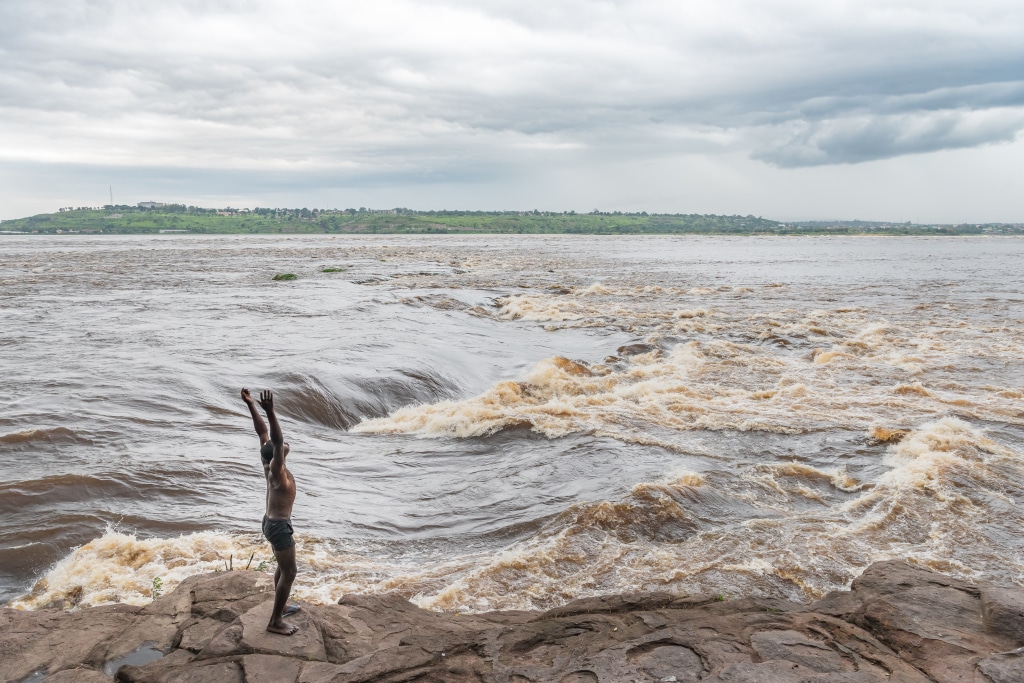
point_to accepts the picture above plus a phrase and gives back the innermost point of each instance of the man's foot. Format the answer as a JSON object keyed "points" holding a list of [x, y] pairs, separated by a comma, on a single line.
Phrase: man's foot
{"points": [[282, 627], [290, 610]]}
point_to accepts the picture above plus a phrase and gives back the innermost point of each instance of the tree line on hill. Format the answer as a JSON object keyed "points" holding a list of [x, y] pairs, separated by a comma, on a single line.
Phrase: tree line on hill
{"points": [[134, 219]]}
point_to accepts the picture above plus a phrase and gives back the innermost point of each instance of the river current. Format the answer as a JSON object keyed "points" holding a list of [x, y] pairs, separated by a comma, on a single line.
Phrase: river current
{"points": [[495, 422]]}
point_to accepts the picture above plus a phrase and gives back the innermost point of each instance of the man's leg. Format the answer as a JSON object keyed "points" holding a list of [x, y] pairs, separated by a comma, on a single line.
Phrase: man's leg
{"points": [[283, 578]]}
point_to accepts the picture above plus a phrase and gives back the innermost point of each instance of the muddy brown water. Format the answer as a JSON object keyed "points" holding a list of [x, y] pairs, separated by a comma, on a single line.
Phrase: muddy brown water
{"points": [[484, 422]]}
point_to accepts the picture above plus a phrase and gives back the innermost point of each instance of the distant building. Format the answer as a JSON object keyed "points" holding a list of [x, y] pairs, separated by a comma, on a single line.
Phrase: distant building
{"points": [[152, 205]]}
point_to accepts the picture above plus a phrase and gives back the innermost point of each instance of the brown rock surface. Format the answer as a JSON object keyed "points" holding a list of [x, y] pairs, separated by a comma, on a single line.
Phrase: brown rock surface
{"points": [[78, 676], [897, 623], [198, 632], [307, 643], [1003, 612], [48, 641]]}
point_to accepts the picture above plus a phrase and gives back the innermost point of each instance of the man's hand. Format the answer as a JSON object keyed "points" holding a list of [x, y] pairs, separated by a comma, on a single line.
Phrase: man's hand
{"points": [[267, 401], [246, 397]]}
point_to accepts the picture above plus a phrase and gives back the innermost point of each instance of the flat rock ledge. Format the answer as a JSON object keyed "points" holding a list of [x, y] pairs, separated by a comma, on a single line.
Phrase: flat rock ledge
{"points": [[897, 623]]}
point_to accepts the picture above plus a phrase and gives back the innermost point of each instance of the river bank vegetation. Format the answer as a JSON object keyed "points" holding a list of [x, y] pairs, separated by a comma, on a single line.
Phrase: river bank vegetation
{"points": [[179, 218]]}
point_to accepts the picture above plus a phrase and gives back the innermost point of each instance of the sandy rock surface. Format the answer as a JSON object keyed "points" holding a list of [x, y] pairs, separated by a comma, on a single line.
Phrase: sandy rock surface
{"points": [[896, 624]]}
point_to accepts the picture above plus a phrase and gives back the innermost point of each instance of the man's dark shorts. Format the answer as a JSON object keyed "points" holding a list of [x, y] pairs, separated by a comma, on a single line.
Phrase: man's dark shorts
{"points": [[279, 533]]}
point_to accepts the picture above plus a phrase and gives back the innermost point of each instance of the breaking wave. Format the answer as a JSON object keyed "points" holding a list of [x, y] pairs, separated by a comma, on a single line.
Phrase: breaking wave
{"points": [[785, 530], [711, 385]]}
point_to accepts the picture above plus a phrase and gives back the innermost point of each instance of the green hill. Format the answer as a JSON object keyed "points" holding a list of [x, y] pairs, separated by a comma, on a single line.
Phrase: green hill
{"points": [[180, 218]]}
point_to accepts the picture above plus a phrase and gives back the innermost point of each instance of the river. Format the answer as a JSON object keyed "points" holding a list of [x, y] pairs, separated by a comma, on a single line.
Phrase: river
{"points": [[494, 422]]}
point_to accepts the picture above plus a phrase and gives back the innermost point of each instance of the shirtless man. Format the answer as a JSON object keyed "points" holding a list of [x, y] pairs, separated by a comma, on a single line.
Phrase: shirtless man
{"points": [[277, 524]]}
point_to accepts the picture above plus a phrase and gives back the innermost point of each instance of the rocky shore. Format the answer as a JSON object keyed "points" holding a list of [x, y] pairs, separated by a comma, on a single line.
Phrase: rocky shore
{"points": [[896, 623]]}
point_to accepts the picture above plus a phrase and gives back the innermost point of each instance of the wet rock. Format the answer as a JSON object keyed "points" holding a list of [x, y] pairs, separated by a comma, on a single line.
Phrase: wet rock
{"points": [[1002, 612], [78, 675], [161, 670], [156, 631], [888, 435], [142, 654], [897, 623], [634, 349]]}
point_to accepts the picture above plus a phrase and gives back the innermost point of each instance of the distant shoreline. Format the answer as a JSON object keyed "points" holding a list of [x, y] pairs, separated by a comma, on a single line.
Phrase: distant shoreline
{"points": [[180, 219]]}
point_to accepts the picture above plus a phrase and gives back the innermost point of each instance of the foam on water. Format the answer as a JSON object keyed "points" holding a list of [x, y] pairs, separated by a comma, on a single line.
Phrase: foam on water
{"points": [[716, 385], [655, 539], [784, 371], [802, 408], [781, 529], [118, 567]]}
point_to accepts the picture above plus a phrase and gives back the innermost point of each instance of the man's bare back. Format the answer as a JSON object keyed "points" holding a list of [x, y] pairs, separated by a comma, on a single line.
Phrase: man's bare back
{"points": [[277, 524]]}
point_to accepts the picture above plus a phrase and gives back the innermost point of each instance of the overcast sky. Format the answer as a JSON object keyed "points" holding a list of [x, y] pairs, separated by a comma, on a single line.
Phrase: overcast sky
{"points": [[790, 109]]}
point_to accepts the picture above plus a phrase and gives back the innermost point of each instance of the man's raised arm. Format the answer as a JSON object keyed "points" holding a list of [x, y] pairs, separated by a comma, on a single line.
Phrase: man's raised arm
{"points": [[257, 422], [267, 401]]}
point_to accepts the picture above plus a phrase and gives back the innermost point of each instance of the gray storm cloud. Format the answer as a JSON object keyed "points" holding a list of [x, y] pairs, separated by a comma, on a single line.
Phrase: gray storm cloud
{"points": [[858, 130], [418, 89]]}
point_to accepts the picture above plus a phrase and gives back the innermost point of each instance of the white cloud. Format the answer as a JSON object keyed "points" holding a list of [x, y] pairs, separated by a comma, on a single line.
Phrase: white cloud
{"points": [[417, 91]]}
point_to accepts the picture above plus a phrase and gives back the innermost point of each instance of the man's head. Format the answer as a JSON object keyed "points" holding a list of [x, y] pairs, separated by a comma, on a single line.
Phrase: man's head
{"points": [[267, 451]]}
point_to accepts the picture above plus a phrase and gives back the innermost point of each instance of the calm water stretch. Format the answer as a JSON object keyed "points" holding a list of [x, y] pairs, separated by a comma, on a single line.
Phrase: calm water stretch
{"points": [[511, 422]]}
